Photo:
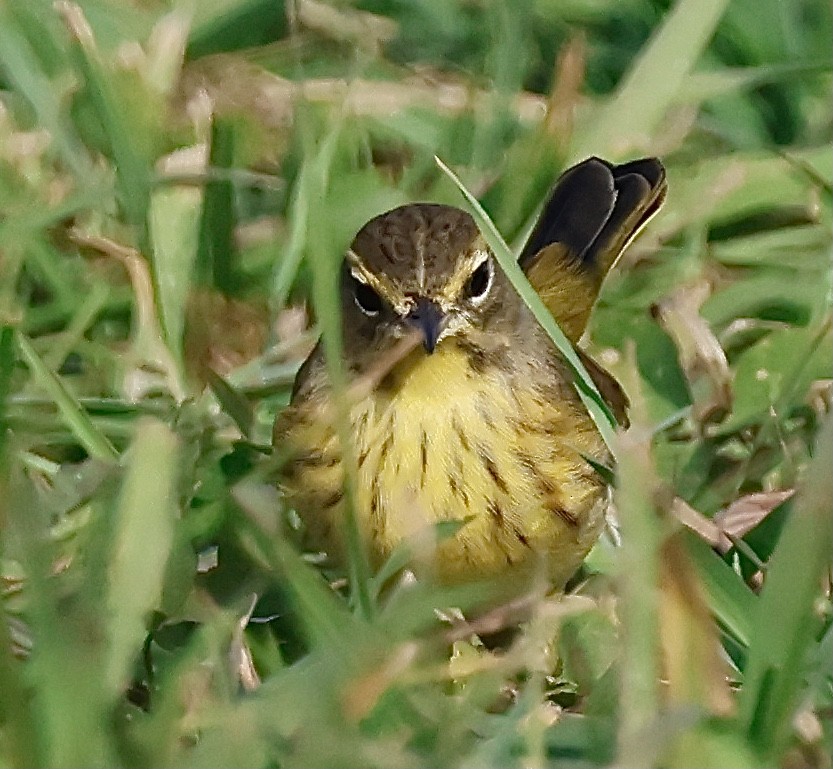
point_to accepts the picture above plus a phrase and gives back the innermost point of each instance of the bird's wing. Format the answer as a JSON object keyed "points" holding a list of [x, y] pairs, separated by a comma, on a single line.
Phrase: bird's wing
{"points": [[594, 211]]}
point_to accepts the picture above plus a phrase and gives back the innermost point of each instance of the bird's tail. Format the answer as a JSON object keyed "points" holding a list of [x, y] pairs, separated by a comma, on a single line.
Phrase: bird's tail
{"points": [[594, 211]]}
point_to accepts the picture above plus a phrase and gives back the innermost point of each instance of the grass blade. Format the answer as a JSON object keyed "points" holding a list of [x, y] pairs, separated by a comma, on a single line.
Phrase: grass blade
{"points": [[7, 361], [132, 171], [78, 421], [19, 63], [653, 82], [325, 296], [81, 321], [731, 602], [322, 614], [299, 216], [638, 570], [216, 240], [173, 221], [232, 402], [143, 535], [66, 701], [775, 667], [19, 727], [593, 401]]}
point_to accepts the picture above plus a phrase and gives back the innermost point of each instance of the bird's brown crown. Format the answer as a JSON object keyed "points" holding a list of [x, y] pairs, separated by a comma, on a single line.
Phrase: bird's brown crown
{"points": [[418, 250]]}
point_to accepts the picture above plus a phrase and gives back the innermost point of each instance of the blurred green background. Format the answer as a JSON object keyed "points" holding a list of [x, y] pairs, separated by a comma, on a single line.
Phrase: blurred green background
{"points": [[176, 178]]}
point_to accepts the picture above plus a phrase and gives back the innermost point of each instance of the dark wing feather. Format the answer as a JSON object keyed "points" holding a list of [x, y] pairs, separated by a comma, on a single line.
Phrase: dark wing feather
{"points": [[594, 211]]}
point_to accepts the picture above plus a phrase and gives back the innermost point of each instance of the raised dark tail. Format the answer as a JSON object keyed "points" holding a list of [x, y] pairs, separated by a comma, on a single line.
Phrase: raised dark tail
{"points": [[594, 211]]}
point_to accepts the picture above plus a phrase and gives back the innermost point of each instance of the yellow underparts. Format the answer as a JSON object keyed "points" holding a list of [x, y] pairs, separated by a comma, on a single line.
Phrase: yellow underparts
{"points": [[443, 442]]}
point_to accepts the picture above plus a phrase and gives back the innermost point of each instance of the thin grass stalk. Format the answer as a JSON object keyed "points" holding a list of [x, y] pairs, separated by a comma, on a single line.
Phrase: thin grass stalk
{"points": [[587, 390], [638, 570]]}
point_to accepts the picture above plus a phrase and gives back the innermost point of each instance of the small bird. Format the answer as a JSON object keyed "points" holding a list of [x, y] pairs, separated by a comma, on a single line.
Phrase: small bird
{"points": [[480, 425]]}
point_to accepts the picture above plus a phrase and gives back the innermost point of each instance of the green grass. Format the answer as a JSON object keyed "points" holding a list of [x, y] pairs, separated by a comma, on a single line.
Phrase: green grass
{"points": [[175, 180]]}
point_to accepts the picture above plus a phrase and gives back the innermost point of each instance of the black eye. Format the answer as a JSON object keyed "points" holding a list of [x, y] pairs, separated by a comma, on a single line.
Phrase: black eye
{"points": [[369, 302], [480, 280]]}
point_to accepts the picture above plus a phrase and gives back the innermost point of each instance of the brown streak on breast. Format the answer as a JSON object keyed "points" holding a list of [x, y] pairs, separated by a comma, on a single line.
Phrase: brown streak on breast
{"points": [[526, 462], [483, 411], [545, 485], [423, 453], [460, 477], [491, 468], [519, 535], [375, 503], [565, 515], [454, 484], [496, 512], [386, 446], [458, 428]]}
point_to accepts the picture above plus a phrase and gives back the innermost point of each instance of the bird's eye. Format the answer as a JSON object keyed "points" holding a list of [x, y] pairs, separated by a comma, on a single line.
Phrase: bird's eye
{"points": [[368, 301], [480, 280]]}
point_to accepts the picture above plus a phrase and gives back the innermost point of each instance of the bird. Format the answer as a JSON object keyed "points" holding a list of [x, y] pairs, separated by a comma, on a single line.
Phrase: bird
{"points": [[471, 447]]}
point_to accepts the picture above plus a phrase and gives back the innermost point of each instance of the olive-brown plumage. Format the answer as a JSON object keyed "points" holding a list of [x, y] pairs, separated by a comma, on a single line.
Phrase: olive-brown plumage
{"points": [[480, 424]]}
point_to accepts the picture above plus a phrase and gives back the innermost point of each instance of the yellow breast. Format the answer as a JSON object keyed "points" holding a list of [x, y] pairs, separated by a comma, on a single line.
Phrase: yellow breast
{"points": [[440, 441]]}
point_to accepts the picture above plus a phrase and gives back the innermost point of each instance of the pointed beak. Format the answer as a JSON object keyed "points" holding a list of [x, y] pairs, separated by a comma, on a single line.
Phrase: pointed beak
{"points": [[429, 319]]}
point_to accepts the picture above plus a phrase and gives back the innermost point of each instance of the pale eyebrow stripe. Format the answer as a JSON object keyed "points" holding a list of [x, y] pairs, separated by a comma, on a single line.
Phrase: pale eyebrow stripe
{"points": [[378, 283], [467, 265], [480, 256], [354, 260]]}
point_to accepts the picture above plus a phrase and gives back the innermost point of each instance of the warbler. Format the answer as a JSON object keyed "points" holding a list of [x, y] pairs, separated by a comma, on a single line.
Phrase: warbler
{"points": [[479, 426]]}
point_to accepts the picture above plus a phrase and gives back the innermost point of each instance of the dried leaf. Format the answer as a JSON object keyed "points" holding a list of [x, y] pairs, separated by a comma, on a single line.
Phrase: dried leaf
{"points": [[736, 520], [693, 664], [702, 358], [744, 514], [700, 524]]}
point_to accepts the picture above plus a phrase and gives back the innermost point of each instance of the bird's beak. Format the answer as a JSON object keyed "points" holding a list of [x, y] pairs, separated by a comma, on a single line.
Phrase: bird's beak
{"points": [[429, 319]]}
